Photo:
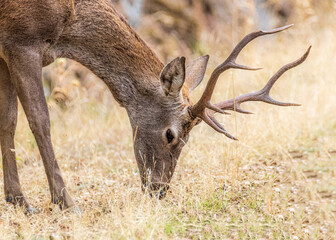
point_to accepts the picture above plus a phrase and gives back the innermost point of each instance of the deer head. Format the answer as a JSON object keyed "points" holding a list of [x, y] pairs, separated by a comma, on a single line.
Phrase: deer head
{"points": [[162, 128]]}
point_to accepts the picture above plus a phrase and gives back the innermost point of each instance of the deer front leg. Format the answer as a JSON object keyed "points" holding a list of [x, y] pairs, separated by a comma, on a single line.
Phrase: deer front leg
{"points": [[8, 119], [25, 67]]}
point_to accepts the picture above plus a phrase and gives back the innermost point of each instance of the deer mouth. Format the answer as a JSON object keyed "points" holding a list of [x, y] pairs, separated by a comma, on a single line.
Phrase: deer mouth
{"points": [[160, 193], [155, 189]]}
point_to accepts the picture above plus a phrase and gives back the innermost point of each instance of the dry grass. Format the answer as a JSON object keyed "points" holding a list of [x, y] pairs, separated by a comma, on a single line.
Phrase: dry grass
{"points": [[277, 182]]}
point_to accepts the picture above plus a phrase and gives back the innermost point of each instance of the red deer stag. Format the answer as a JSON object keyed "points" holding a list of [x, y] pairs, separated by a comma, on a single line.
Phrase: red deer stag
{"points": [[34, 33]]}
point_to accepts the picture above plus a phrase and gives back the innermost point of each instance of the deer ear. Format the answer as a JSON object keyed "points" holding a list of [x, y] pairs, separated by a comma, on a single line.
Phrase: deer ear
{"points": [[173, 75], [195, 72]]}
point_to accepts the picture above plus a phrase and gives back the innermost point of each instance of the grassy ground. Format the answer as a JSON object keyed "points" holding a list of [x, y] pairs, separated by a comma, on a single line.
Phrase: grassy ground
{"points": [[277, 182]]}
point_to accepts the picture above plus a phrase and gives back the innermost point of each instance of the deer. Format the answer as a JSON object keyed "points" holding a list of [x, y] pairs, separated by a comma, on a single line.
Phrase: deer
{"points": [[156, 96]]}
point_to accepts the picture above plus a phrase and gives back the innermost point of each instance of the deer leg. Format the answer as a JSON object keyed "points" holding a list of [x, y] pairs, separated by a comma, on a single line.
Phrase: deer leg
{"points": [[8, 119], [25, 67]]}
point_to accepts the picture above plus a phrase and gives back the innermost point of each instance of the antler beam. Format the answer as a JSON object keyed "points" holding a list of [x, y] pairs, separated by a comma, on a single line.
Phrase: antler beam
{"points": [[205, 110]]}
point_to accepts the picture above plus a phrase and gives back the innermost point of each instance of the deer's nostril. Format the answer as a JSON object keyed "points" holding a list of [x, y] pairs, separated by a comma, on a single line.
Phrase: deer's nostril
{"points": [[162, 194], [159, 192]]}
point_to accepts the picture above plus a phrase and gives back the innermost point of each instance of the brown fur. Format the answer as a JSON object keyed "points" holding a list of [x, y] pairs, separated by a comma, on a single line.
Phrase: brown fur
{"points": [[34, 33]]}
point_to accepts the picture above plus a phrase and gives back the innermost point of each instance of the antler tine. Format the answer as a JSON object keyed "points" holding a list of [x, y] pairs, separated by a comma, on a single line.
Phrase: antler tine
{"points": [[263, 94], [266, 90], [212, 122], [248, 38], [205, 110], [230, 62]]}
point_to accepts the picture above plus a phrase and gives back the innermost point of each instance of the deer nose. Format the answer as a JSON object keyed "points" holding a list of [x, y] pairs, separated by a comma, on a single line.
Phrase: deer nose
{"points": [[160, 195], [158, 190]]}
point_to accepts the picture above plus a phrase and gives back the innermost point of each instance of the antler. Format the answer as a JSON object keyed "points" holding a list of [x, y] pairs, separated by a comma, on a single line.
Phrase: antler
{"points": [[205, 110]]}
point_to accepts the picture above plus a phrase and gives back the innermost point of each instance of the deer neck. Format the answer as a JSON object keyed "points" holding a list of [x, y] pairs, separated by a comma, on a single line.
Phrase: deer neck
{"points": [[100, 39]]}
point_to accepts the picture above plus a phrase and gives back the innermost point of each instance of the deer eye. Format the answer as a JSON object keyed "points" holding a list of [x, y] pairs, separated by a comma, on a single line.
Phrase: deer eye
{"points": [[170, 136]]}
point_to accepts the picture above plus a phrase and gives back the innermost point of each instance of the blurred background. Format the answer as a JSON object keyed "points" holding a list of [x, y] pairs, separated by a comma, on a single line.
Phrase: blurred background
{"points": [[190, 28], [277, 182]]}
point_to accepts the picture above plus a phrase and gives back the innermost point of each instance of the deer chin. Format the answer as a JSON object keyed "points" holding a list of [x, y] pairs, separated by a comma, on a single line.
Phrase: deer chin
{"points": [[155, 183], [156, 189], [161, 193], [156, 178]]}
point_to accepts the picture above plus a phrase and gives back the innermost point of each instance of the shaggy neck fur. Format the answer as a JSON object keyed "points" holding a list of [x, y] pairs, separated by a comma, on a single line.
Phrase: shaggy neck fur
{"points": [[100, 39]]}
